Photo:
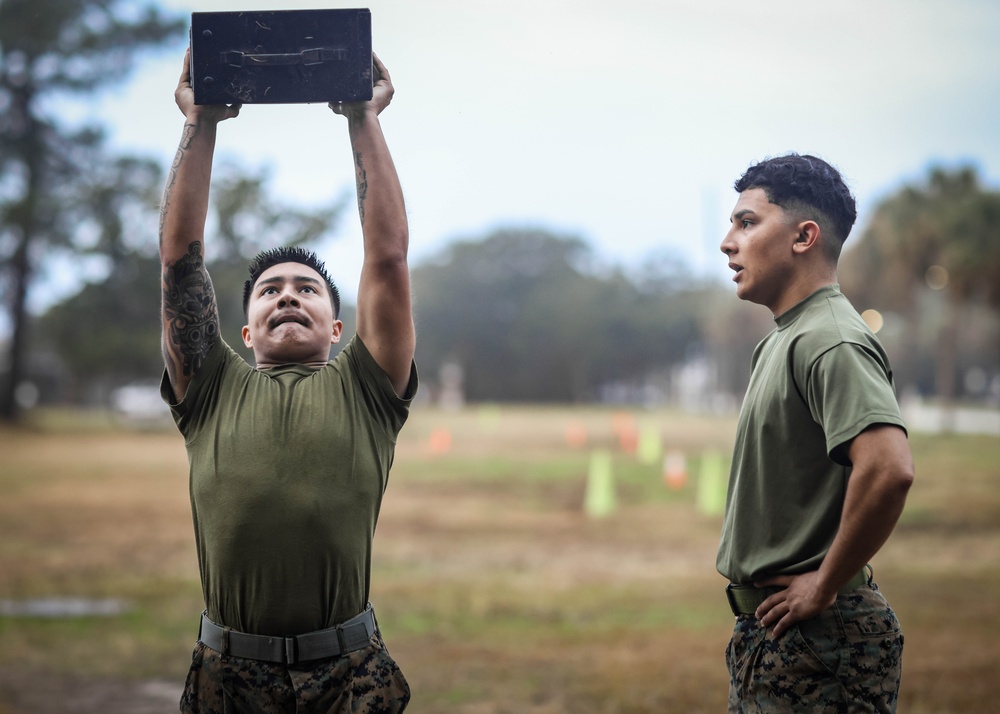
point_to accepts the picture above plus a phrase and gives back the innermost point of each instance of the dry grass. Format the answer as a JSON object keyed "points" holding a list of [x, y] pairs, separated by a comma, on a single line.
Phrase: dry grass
{"points": [[496, 593]]}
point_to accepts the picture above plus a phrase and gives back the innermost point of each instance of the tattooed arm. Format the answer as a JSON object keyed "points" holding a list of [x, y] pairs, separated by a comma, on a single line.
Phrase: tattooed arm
{"points": [[189, 312], [385, 319]]}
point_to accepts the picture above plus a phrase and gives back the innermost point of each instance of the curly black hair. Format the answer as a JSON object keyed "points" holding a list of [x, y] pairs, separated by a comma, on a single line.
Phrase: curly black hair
{"points": [[806, 184], [266, 258]]}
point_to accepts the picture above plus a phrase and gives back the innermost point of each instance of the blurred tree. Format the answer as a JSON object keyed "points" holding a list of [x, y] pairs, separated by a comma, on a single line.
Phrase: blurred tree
{"points": [[108, 334], [52, 49], [529, 315], [940, 235], [733, 328]]}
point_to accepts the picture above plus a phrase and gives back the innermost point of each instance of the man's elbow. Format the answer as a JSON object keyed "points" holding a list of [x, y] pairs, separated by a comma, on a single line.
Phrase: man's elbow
{"points": [[899, 479], [389, 266], [905, 479]]}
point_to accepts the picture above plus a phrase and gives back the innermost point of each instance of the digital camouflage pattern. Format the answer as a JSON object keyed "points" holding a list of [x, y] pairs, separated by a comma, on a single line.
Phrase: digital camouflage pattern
{"points": [[847, 659], [366, 681]]}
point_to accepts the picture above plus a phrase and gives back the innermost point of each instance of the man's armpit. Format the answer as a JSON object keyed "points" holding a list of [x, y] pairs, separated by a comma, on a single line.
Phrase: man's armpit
{"points": [[190, 313]]}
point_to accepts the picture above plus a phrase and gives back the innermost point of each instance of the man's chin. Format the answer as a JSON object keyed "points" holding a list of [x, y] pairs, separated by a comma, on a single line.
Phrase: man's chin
{"points": [[289, 324], [290, 332]]}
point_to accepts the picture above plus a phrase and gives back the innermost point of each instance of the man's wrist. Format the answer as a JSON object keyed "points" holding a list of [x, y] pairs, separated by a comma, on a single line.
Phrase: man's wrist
{"points": [[829, 584], [205, 114], [199, 119], [362, 121]]}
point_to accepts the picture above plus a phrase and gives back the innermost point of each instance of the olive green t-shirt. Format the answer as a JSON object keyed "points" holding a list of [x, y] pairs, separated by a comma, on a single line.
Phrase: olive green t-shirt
{"points": [[817, 380], [287, 471]]}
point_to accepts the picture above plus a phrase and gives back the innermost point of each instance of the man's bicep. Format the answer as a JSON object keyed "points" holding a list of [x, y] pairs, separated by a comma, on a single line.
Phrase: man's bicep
{"points": [[881, 443], [190, 317], [385, 321]]}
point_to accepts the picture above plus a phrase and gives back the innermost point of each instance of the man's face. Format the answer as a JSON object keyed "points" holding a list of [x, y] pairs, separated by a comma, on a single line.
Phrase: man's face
{"points": [[290, 317], [759, 247]]}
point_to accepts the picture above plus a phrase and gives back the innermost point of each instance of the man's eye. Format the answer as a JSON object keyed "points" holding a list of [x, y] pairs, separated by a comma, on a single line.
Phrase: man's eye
{"points": [[309, 288], [268, 291], [746, 223]]}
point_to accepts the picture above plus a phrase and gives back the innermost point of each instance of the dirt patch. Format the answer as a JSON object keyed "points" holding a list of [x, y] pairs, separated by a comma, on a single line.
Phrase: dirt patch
{"points": [[496, 593], [38, 692]]}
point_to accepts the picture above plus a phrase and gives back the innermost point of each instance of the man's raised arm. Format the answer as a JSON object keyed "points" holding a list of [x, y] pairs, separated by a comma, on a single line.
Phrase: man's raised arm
{"points": [[385, 319], [189, 312]]}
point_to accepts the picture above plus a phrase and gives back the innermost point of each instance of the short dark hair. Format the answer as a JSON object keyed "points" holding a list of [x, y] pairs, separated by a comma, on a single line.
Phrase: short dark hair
{"points": [[803, 182], [266, 258]]}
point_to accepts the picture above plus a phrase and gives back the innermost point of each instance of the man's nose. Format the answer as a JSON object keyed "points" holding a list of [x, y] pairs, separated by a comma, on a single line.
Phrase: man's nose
{"points": [[288, 298], [727, 244]]}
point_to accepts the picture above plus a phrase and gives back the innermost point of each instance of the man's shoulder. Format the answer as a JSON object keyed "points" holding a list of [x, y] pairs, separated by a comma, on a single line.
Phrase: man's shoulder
{"points": [[829, 322], [355, 356], [220, 362], [351, 365]]}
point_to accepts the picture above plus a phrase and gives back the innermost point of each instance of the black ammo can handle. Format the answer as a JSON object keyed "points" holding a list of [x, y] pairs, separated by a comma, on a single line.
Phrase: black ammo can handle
{"points": [[235, 58]]}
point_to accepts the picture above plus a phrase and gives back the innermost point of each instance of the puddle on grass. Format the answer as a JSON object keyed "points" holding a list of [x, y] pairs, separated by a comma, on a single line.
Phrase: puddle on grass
{"points": [[64, 607]]}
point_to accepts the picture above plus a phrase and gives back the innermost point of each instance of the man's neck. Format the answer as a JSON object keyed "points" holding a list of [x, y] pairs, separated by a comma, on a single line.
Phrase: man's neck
{"points": [[800, 289]]}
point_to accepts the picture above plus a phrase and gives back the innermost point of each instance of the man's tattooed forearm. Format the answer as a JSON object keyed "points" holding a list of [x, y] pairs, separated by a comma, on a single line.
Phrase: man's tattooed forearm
{"points": [[189, 308], [186, 138], [362, 178]]}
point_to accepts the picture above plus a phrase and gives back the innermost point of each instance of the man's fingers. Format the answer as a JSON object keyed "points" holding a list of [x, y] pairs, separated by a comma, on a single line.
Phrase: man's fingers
{"points": [[186, 70], [381, 94], [766, 607], [770, 613], [780, 616], [783, 624], [380, 71]]}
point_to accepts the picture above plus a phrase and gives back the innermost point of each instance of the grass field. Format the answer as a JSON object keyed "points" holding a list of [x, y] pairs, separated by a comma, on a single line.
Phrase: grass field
{"points": [[495, 590]]}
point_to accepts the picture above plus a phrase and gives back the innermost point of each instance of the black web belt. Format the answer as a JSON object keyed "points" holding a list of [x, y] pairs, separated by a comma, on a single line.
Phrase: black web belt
{"points": [[349, 636], [745, 599]]}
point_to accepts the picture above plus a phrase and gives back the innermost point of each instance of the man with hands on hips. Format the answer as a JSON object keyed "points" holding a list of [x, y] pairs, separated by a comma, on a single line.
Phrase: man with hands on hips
{"points": [[821, 464]]}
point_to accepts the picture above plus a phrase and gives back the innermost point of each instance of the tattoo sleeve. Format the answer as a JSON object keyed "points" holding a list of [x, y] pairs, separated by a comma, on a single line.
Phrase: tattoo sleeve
{"points": [[189, 310], [186, 137], [362, 178]]}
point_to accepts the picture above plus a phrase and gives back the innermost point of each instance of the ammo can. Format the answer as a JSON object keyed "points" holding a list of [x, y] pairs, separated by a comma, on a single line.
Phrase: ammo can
{"points": [[281, 56]]}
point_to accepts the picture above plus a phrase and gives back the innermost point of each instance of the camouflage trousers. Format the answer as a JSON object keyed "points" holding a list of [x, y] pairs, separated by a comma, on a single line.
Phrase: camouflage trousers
{"points": [[847, 659], [366, 681]]}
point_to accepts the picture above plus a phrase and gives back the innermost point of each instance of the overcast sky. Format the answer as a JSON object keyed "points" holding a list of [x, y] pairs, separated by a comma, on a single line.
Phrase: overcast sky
{"points": [[622, 122]]}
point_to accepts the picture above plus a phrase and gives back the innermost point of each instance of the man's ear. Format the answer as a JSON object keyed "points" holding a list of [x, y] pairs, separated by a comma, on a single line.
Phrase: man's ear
{"points": [[338, 329], [808, 236], [246, 337]]}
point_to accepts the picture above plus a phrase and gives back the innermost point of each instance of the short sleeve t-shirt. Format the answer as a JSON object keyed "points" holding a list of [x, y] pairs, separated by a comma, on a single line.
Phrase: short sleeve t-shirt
{"points": [[287, 471], [818, 380]]}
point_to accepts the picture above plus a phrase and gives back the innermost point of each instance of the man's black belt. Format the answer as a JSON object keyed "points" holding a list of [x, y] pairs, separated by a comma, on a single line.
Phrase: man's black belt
{"points": [[745, 599], [332, 642]]}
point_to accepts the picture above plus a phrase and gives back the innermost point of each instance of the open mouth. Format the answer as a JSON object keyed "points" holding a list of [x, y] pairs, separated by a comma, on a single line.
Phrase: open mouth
{"points": [[283, 319], [738, 269]]}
